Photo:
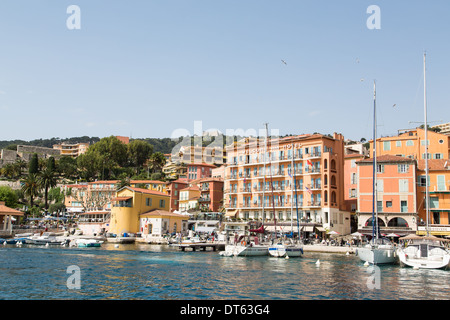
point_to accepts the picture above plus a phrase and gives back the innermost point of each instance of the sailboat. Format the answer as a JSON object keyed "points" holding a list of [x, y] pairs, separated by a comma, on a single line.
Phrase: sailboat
{"points": [[426, 252], [247, 245], [292, 249], [378, 250]]}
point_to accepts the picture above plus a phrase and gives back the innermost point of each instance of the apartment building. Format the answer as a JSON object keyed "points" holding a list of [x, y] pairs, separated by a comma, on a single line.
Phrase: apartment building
{"points": [[411, 144], [395, 191], [439, 196], [71, 150], [270, 182]]}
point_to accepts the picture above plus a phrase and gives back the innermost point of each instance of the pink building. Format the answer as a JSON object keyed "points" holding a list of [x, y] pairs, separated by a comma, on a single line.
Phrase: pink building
{"points": [[199, 171]]}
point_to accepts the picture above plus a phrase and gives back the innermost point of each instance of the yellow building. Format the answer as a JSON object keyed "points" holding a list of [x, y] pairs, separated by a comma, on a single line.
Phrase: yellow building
{"points": [[130, 203], [71, 150], [161, 222]]}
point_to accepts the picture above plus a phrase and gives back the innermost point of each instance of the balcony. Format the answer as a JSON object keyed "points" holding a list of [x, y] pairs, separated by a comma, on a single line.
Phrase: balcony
{"points": [[204, 199]]}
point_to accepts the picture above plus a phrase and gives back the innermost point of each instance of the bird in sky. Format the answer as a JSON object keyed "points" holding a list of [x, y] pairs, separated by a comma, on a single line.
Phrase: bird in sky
{"points": [[283, 61], [394, 105]]}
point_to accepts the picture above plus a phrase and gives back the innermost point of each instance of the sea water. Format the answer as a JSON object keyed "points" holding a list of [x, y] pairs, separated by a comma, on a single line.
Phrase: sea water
{"points": [[156, 272]]}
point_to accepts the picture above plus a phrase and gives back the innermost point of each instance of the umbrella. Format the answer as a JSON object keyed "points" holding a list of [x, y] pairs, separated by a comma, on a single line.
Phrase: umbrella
{"points": [[357, 234], [393, 235], [333, 233]]}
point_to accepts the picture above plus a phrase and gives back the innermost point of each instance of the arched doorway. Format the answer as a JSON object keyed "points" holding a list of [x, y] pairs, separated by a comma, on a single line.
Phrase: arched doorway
{"points": [[398, 222]]}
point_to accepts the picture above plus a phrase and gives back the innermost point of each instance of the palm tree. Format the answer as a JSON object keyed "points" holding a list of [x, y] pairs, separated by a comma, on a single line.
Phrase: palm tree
{"points": [[156, 161], [47, 179], [31, 187]]}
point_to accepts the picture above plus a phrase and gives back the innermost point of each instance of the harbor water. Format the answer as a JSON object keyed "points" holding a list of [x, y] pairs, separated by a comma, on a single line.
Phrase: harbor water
{"points": [[159, 272]]}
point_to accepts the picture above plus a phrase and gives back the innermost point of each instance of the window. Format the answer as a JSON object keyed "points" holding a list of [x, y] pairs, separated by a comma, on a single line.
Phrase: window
{"points": [[380, 185], [422, 143], [398, 144], [354, 180], [423, 181], [436, 218], [388, 204], [403, 168], [379, 206], [438, 156], [409, 143], [148, 202], [162, 203], [434, 203], [441, 183], [429, 156], [387, 146], [380, 168], [353, 163], [403, 185], [404, 206]]}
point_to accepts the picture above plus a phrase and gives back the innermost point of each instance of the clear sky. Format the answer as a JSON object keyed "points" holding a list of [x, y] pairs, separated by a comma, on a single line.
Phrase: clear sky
{"points": [[145, 68]]}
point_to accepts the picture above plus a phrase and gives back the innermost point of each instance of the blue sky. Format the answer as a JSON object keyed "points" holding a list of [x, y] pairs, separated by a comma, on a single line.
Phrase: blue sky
{"points": [[147, 68]]}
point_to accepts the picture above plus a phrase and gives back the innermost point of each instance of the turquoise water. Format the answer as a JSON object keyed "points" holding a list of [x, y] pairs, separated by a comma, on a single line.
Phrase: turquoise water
{"points": [[152, 272]]}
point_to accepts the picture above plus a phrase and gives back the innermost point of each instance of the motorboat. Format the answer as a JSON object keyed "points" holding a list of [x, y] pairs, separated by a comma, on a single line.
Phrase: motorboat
{"points": [[427, 252], [87, 243], [124, 239], [378, 251], [47, 238]]}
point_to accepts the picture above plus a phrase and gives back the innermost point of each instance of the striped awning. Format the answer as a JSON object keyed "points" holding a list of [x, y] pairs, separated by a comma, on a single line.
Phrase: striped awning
{"points": [[121, 198]]}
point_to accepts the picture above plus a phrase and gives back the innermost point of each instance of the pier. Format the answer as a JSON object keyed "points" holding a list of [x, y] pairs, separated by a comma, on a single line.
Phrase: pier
{"points": [[201, 246]]}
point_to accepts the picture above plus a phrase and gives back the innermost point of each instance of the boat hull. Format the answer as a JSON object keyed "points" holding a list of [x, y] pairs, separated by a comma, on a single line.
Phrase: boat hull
{"points": [[245, 251], [281, 251], [377, 255], [431, 262]]}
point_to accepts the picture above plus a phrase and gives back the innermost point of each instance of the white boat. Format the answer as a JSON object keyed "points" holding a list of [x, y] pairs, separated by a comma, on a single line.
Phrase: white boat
{"points": [[245, 247], [382, 251], [379, 250], [426, 252], [87, 243], [47, 238], [281, 250], [123, 240]]}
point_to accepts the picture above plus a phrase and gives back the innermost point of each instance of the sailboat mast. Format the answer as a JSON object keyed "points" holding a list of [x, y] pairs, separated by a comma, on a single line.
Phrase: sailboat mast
{"points": [[426, 142], [375, 198], [292, 193], [271, 186], [264, 180]]}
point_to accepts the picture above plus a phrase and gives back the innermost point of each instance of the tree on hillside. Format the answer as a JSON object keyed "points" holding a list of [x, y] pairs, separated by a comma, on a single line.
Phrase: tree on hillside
{"points": [[156, 162], [33, 166], [31, 187], [90, 165], [138, 153], [47, 179], [8, 196], [67, 167]]}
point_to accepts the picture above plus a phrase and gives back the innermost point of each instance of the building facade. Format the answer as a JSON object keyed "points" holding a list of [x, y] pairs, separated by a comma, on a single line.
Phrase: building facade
{"points": [[396, 195], [267, 182]]}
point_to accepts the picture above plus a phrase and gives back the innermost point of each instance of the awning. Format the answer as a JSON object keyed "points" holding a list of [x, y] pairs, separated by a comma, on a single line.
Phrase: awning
{"points": [[121, 198], [308, 228], [321, 229], [231, 213], [205, 229]]}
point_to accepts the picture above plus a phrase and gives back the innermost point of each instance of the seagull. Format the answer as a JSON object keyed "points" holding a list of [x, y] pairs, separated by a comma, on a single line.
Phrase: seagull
{"points": [[283, 61], [394, 105], [357, 60], [362, 79]]}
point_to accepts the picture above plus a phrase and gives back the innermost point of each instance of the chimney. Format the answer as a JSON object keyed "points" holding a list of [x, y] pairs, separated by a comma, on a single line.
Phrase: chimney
{"points": [[2, 203]]}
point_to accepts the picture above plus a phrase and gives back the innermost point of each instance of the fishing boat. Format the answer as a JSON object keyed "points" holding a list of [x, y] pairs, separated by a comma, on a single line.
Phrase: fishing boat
{"points": [[426, 252], [379, 250]]}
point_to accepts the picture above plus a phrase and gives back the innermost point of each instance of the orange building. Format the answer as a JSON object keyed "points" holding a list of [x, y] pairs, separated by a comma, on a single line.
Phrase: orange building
{"points": [[439, 195], [315, 161], [411, 144], [396, 195]]}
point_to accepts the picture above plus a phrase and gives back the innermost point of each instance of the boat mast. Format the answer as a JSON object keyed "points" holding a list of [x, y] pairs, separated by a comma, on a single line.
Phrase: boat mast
{"points": [[292, 193], [426, 142], [264, 181], [295, 188], [375, 198], [271, 186]]}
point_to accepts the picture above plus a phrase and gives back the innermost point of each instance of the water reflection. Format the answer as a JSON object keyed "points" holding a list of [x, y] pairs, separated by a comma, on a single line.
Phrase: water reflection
{"points": [[142, 271]]}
